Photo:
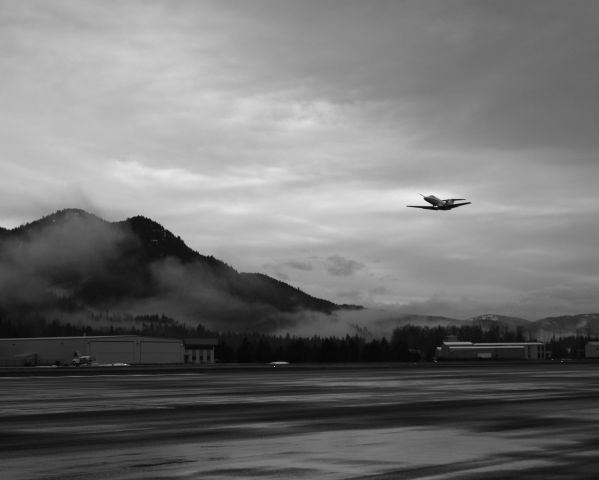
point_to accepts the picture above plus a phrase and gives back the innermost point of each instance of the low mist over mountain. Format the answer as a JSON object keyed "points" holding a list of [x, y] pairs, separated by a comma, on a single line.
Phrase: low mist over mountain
{"points": [[74, 267], [542, 329], [71, 265], [585, 324]]}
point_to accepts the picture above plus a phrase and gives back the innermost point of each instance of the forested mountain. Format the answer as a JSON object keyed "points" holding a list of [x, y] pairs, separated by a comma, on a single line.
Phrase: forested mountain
{"points": [[581, 324], [75, 268], [72, 264], [544, 328], [503, 326]]}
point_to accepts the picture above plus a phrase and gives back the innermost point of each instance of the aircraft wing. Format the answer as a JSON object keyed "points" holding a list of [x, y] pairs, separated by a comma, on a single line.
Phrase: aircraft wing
{"points": [[420, 206], [460, 204]]}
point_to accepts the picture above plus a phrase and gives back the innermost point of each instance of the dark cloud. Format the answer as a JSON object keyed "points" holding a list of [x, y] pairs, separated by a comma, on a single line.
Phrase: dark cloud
{"points": [[342, 267], [467, 74], [379, 290], [299, 265]]}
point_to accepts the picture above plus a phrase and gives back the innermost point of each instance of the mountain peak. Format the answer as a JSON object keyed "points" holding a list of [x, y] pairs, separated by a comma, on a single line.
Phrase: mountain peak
{"points": [[139, 267], [70, 213], [59, 217]]}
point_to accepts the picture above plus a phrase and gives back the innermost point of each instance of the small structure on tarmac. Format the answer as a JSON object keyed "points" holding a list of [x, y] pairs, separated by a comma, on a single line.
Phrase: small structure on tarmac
{"points": [[199, 350]]}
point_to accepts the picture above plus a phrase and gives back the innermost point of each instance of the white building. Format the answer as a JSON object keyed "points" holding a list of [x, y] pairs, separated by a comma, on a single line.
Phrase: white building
{"points": [[451, 350], [108, 349]]}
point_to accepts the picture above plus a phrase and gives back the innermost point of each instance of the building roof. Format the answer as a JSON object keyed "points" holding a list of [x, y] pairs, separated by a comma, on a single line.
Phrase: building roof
{"points": [[200, 342], [90, 337], [499, 344], [479, 346], [70, 338], [510, 344]]}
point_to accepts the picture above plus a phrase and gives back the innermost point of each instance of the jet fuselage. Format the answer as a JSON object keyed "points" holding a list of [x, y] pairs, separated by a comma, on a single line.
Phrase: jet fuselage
{"points": [[438, 204]]}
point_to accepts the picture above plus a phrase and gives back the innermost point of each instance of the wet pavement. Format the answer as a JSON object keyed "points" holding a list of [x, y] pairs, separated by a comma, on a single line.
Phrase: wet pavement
{"points": [[526, 421]]}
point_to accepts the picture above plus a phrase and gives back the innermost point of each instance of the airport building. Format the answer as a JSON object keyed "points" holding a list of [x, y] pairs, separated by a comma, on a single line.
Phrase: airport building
{"points": [[454, 350], [199, 350], [103, 350]]}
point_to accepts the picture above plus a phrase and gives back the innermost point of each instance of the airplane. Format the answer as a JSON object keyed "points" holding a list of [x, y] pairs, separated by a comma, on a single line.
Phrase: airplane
{"points": [[278, 364], [79, 359], [438, 204]]}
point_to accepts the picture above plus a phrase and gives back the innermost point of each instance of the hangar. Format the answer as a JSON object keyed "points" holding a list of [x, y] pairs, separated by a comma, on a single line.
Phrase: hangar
{"points": [[451, 350], [109, 349]]}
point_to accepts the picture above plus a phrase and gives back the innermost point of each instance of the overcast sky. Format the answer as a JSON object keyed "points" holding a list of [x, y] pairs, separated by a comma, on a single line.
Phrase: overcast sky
{"points": [[287, 137]]}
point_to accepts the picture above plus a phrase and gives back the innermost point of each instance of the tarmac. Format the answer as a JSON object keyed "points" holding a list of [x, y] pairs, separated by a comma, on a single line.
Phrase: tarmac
{"points": [[433, 421]]}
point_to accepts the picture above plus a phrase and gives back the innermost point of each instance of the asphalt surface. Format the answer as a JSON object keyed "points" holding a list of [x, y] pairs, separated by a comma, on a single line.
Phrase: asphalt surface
{"points": [[525, 421]]}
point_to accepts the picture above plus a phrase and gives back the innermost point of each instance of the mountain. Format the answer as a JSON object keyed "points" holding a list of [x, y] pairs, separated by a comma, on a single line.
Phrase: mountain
{"points": [[565, 325], [487, 321], [73, 264], [543, 329], [417, 320]]}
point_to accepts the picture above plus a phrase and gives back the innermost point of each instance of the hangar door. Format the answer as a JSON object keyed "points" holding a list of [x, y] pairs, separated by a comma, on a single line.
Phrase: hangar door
{"points": [[161, 352], [113, 351]]}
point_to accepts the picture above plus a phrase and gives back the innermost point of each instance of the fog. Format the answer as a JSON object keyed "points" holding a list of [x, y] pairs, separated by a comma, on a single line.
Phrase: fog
{"points": [[74, 255]]}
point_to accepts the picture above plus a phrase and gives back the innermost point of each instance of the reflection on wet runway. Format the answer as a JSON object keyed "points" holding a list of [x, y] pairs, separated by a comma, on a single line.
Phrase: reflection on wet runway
{"points": [[529, 421]]}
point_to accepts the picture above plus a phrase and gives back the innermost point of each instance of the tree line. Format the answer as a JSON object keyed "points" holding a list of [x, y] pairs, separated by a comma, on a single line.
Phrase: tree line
{"points": [[407, 343]]}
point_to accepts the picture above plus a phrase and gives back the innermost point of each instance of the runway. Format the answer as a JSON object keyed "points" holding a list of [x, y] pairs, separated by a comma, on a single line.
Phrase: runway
{"points": [[526, 421]]}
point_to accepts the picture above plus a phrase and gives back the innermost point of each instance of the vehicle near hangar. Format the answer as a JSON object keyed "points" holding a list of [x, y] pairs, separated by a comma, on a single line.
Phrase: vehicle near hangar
{"points": [[104, 350]]}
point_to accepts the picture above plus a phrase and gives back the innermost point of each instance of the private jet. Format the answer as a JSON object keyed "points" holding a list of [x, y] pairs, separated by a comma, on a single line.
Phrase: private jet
{"points": [[438, 204], [79, 360], [278, 364]]}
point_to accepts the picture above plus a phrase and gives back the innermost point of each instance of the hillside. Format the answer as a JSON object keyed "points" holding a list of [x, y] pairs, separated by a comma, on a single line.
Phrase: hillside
{"points": [[542, 329], [581, 324], [73, 264]]}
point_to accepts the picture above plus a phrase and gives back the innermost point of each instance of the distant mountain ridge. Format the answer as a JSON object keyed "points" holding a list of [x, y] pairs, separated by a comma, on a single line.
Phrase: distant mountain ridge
{"points": [[585, 324], [581, 324], [136, 265]]}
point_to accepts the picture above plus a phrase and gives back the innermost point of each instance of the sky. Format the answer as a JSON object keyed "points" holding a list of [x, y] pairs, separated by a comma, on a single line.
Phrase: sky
{"points": [[287, 137]]}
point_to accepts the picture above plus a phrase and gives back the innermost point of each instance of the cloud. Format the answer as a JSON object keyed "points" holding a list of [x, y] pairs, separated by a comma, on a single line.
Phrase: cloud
{"points": [[59, 255], [257, 142], [139, 175], [562, 299], [379, 290], [339, 266], [299, 265]]}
